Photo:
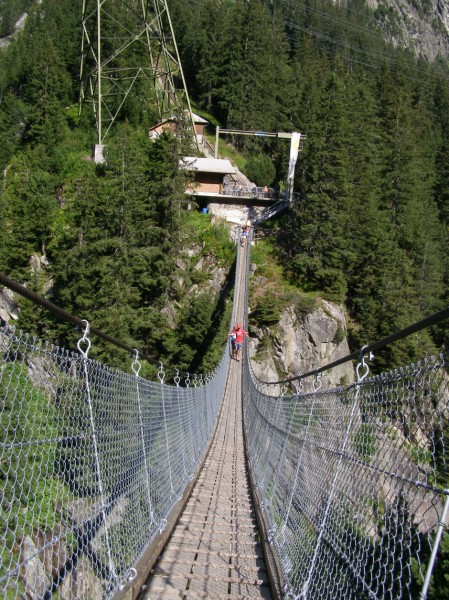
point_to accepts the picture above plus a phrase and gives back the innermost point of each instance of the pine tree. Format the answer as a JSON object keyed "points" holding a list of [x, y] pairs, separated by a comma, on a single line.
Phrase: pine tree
{"points": [[258, 72], [114, 260], [321, 244], [29, 206], [210, 45], [46, 92], [13, 115], [407, 176]]}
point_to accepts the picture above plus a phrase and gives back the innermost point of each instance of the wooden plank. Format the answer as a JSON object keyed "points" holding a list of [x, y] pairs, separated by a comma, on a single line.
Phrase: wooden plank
{"points": [[214, 551]]}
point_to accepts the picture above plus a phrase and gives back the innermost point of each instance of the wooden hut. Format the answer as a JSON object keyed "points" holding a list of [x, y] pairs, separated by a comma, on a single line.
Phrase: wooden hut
{"points": [[209, 174]]}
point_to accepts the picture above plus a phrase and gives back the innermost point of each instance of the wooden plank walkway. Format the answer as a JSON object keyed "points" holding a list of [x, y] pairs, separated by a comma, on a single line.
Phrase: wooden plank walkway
{"points": [[215, 551]]}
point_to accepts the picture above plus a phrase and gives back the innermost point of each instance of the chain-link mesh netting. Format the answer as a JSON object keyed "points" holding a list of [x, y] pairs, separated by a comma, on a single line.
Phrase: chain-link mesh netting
{"points": [[354, 481], [92, 461]]}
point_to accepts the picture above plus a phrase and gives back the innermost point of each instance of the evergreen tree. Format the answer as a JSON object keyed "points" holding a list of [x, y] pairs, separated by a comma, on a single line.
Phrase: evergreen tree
{"points": [[256, 71], [407, 178], [45, 92], [210, 45], [7, 21], [116, 256], [260, 169], [28, 207], [13, 114], [441, 116], [321, 249]]}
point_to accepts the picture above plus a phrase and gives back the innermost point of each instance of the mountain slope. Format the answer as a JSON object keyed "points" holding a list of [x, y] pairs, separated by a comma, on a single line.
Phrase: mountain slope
{"points": [[420, 25]]}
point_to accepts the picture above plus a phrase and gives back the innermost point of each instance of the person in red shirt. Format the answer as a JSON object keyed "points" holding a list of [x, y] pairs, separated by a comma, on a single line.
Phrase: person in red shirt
{"points": [[240, 334], [233, 347]]}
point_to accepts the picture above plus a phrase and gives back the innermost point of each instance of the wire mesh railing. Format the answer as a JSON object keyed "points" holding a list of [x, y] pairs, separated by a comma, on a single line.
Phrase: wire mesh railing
{"points": [[92, 461], [353, 482]]}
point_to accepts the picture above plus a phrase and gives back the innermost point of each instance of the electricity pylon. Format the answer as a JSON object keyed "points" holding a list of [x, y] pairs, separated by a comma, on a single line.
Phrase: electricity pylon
{"points": [[129, 45]]}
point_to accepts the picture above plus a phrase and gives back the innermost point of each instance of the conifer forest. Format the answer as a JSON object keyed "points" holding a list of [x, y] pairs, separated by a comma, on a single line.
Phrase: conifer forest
{"points": [[120, 242], [370, 229]]}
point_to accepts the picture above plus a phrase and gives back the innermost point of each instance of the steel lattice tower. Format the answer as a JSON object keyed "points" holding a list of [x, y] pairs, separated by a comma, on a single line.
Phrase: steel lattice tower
{"points": [[130, 45]]}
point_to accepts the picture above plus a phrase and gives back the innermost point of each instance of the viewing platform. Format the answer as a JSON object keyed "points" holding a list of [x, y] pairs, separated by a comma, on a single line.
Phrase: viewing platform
{"points": [[242, 195]]}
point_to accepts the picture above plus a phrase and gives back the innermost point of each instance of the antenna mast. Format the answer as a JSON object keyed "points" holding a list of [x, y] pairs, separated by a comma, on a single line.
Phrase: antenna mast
{"points": [[129, 45]]}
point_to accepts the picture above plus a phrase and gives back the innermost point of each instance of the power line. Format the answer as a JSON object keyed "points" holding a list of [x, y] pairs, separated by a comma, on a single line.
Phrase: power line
{"points": [[357, 28], [376, 54]]}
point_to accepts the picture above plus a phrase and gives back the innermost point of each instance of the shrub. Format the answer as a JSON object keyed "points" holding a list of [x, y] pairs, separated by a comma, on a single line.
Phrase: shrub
{"points": [[266, 312], [260, 169]]}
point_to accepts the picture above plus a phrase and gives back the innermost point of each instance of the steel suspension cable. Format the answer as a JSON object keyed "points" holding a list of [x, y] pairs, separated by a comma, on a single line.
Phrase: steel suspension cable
{"points": [[63, 314], [433, 319]]}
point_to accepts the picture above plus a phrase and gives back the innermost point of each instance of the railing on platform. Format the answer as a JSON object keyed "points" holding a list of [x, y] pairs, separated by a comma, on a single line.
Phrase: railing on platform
{"points": [[260, 193], [273, 210], [353, 482]]}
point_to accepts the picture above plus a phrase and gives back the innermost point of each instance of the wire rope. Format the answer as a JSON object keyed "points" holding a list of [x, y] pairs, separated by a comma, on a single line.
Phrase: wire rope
{"points": [[387, 57]]}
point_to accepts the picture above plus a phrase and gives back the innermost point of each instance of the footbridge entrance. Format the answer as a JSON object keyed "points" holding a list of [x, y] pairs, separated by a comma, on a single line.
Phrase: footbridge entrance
{"points": [[220, 485], [215, 550]]}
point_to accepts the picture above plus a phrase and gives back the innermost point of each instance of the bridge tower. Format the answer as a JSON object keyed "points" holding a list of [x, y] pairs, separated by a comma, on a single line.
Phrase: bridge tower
{"points": [[129, 46]]}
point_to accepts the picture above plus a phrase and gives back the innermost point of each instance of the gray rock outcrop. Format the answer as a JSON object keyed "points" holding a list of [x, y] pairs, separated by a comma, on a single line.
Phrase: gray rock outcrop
{"points": [[422, 29], [9, 311], [300, 345]]}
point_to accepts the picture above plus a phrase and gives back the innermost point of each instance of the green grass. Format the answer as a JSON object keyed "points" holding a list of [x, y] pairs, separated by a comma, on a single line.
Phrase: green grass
{"points": [[31, 490], [225, 150], [276, 287], [365, 442]]}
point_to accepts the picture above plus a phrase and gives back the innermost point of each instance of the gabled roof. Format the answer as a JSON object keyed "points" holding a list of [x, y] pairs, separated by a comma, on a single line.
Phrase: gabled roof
{"points": [[159, 124], [198, 119], [207, 165]]}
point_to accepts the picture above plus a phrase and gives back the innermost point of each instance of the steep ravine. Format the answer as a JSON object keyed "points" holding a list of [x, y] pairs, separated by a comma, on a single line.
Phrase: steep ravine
{"points": [[298, 343]]}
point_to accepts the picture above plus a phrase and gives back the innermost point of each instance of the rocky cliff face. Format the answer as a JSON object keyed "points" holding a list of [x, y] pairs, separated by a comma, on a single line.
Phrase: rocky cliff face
{"points": [[19, 25], [420, 25], [9, 311], [301, 344]]}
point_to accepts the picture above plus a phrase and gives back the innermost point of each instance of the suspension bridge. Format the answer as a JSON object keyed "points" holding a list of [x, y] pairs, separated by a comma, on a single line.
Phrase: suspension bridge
{"points": [[214, 485], [218, 485]]}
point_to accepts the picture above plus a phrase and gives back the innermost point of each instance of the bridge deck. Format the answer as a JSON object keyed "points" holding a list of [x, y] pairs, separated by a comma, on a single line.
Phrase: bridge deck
{"points": [[214, 551]]}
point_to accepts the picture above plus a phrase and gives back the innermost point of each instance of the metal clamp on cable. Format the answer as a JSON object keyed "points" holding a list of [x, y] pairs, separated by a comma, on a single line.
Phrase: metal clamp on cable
{"points": [[363, 364], [85, 340], [136, 366], [161, 373]]}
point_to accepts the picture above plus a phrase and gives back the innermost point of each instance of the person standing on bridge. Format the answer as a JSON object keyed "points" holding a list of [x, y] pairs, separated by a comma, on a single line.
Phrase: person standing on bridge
{"points": [[233, 336], [237, 342]]}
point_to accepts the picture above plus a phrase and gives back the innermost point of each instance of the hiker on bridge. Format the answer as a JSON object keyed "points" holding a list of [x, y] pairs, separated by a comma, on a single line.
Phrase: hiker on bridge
{"points": [[237, 336], [244, 236]]}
